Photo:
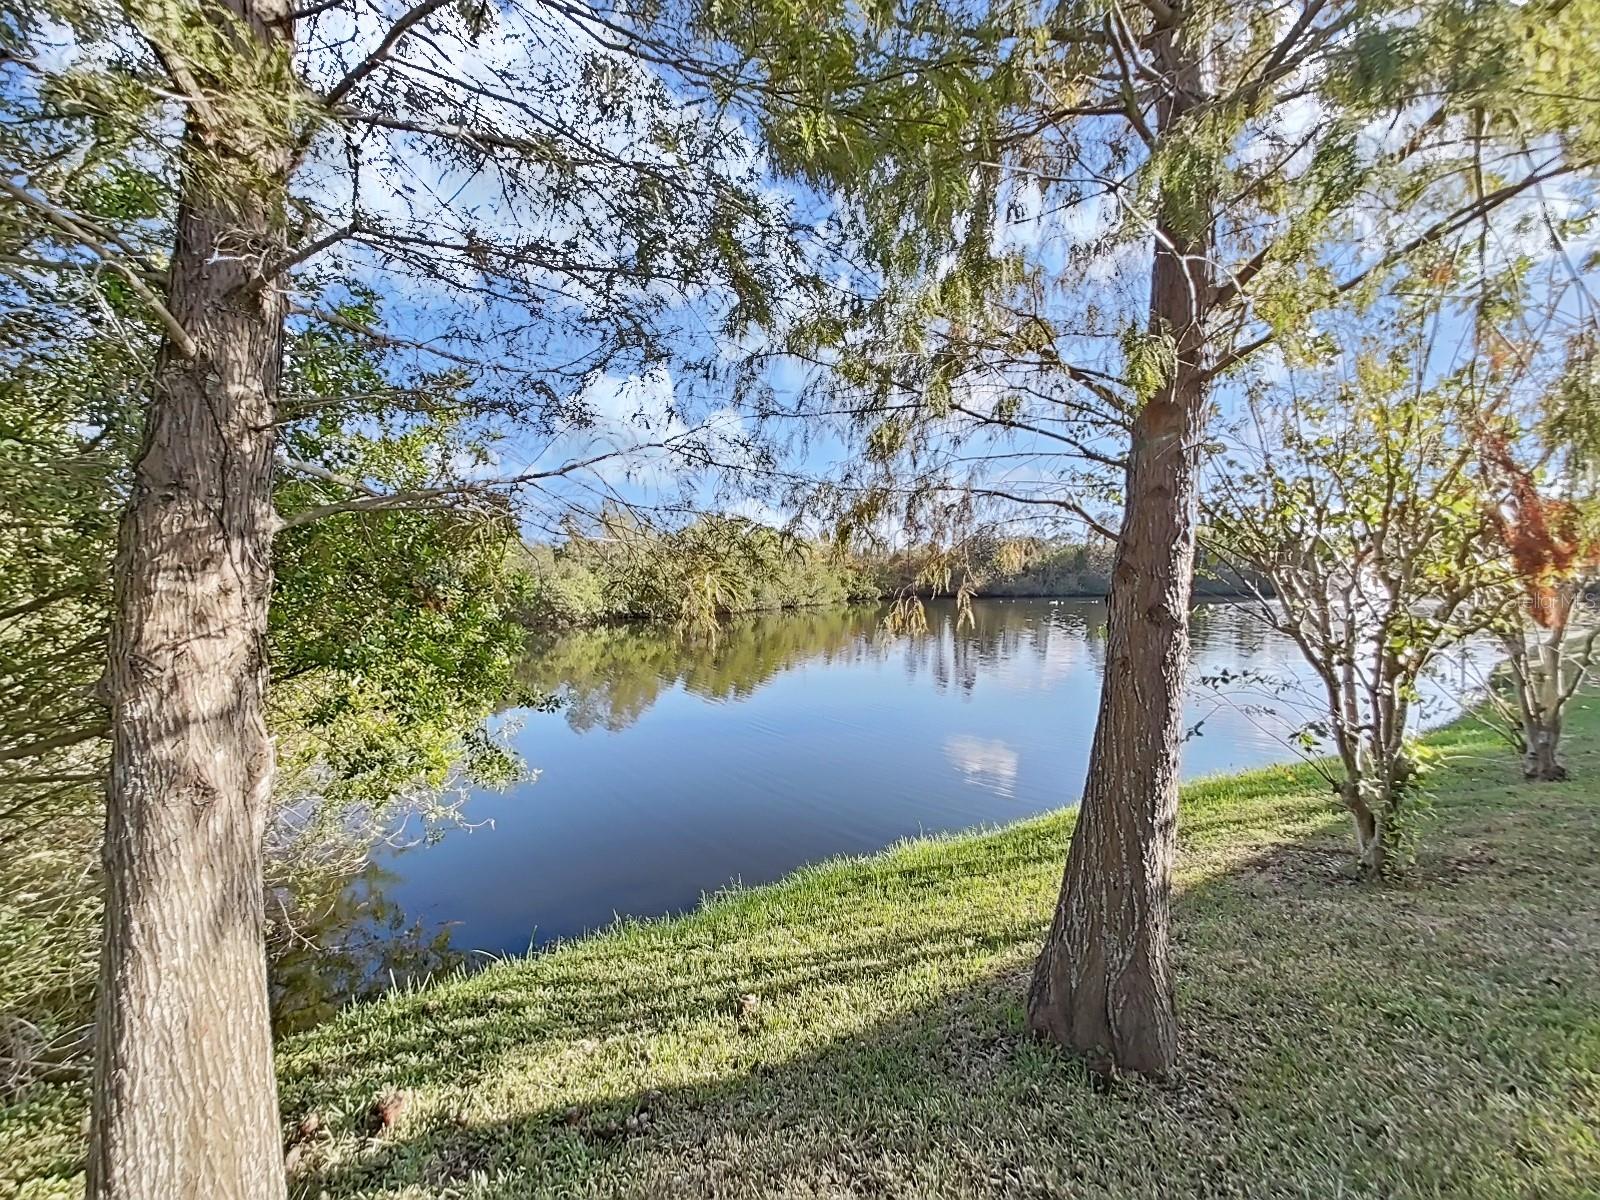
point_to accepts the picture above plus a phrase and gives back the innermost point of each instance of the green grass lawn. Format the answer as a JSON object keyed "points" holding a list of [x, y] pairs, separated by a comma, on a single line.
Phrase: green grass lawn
{"points": [[1436, 1037]]}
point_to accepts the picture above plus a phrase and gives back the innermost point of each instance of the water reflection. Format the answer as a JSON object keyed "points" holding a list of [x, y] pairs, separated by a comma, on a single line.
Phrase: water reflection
{"points": [[677, 767], [989, 764], [352, 942], [608, 678]]}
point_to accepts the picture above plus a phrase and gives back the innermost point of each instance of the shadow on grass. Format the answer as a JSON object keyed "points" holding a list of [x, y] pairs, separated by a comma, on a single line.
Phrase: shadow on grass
{"points": [[859, 1032]]}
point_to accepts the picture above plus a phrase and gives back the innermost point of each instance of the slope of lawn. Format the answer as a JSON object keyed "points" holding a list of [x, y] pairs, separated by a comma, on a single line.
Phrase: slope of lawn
{"points": [[856, 1030]]}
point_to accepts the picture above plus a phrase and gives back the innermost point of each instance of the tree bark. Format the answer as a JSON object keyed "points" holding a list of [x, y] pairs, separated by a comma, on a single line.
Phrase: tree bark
{"points": [[1372, 842], [184, 1098], [1542, 711], [1102, 985], [1542, 759]]}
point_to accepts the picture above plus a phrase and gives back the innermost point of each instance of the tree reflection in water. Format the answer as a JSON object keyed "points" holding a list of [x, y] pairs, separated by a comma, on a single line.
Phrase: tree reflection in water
{"points": [[345, 941], [609, 677]]}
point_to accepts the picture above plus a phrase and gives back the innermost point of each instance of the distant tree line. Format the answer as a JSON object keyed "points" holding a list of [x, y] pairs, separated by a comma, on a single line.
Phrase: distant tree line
{"points": [[719, 566], [1063, 567], [617, 568]]}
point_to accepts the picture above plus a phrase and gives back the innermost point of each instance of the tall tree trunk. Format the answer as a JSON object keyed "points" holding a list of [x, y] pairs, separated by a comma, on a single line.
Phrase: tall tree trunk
{"points": [[185, 1101], [1102, 985]]}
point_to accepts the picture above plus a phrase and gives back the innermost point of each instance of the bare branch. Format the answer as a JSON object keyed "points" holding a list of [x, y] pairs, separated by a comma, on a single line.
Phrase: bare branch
{"points": [[311, 249], [373, 500], [60, 741], [376, 59], [378, 337], [1071, 506], [311, 10]]}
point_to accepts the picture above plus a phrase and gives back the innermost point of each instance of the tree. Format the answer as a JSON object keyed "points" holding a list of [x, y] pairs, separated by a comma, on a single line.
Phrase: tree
{"points": [[1102, 983], [1165, 200], [393, 633], [281, 156], [1361, 508], [1545, 516]]}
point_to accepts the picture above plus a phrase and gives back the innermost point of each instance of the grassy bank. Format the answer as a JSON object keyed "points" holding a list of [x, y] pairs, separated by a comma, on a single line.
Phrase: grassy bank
{"points": [[855, 1031]]}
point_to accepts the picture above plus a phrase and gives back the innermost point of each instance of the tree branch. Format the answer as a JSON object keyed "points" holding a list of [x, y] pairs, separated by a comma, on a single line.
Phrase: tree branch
{"points": [[1071, 506], [373, 500], [59, 742], [64, 221], [376, 59], [1442, 228], [311, 249]]}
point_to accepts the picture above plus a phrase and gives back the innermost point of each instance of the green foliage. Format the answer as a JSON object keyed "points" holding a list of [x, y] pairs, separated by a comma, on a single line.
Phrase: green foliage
{"points": [[884, 106], [393, 633], [691, 576], [697, 576], [67, 429], [1148, 360], [1032, 566], [1366, 516]]}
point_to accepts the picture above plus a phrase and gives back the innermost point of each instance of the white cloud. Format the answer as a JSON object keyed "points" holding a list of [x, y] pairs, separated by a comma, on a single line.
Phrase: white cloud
{"points": [[991, 765]]}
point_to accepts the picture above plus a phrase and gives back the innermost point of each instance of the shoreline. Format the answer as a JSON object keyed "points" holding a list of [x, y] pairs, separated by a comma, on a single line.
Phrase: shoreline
{"points": [[858, 1026]]}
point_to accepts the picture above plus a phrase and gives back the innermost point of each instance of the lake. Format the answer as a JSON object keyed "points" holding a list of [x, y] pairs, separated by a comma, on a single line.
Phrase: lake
{"points": [[678, 767]]}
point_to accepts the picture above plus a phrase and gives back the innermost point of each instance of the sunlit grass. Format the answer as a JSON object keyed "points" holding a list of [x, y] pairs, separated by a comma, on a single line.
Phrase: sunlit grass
{"points": [[857, 1029]]}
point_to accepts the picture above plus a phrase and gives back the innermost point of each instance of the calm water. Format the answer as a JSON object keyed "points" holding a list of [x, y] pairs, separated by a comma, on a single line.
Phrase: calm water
{"points": [[676, 768]]}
